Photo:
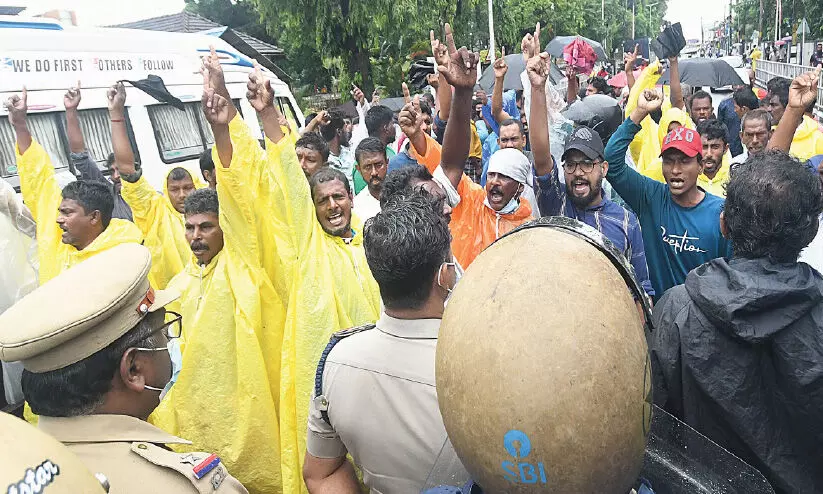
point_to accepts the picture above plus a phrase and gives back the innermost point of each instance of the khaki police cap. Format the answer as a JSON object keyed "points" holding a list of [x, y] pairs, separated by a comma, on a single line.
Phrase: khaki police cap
{"points": [[31, 461], [81, 311]]}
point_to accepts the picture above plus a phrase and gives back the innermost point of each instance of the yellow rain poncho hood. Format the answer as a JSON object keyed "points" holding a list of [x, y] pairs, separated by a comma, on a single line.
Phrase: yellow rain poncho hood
{"points": [[162, 226], [225, 398], [807, 141], [42, 195], [330, 288]]}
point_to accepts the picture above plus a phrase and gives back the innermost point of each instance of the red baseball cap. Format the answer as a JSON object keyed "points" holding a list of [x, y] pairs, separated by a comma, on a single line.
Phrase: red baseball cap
{"points": [[684, 140]]}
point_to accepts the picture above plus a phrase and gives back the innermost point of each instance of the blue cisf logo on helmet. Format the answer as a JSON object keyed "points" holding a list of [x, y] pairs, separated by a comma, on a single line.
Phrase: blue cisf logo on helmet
{"points": [[519, 471]]}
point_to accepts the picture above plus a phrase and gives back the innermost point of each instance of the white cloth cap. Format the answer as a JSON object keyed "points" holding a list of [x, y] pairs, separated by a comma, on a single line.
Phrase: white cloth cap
{"points": [[511, 163]]}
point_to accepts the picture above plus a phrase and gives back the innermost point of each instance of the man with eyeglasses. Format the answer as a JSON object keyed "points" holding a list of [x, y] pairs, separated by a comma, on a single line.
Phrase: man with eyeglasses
{"points": [[95, 368], [372, 166], [584, 169], [680, 221]]}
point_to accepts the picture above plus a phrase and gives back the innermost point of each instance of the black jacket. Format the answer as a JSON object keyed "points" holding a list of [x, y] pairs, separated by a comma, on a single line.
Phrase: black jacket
{"points": [[737, 354]]}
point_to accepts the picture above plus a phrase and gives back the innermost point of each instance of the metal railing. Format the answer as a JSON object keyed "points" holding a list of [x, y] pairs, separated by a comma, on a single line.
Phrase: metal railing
{"points": [[766, 70]]}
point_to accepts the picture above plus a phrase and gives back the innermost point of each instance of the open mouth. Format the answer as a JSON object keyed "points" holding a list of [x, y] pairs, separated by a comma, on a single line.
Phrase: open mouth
{"points": [[677, 183], [336, 219], [581, 187]]}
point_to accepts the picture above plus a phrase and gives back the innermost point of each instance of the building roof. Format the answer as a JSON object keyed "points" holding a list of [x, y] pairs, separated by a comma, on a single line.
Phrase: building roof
{"points": [[189, 22]]}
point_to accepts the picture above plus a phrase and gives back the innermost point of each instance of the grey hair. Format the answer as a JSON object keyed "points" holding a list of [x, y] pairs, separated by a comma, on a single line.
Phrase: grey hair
{"points": [[406, 243]]}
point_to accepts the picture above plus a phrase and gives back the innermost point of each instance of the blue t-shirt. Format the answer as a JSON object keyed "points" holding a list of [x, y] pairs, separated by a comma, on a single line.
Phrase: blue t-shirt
{"points": [[677, 239]]}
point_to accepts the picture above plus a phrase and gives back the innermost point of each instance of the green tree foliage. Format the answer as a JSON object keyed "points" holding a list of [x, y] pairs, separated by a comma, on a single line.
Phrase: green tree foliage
{"points": [[335, 43], [747, 17]]}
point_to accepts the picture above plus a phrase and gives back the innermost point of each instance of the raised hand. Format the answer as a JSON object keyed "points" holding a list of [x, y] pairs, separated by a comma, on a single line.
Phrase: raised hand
{"points": [[375, 97], [116, 96], [538, 70], [216, 108], [72, 97], [433, 80], [410, 118], [357, 94], [500, 65], [803, 90], [459, 67], [650, 100], [259, 91], [630, 58], [530, 44], [17, 107], [406, 95], [211, 62]]}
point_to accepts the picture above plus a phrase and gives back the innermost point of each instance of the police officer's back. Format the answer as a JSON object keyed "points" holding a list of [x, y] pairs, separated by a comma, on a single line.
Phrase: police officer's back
{"points": [[99, 353]]}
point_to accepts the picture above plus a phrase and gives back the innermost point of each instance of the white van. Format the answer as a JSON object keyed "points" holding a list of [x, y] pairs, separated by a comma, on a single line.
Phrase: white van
{"points": [[48, 58]]}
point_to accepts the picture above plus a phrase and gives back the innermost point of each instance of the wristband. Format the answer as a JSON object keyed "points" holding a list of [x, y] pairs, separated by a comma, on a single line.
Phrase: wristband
{"points": [[118, 120]]}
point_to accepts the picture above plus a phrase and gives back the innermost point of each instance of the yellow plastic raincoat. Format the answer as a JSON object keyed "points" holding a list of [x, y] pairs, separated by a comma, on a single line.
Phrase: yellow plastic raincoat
{"points": [[42, 195], [330, 288], [162, 226], [225, 398], [474, 225], [807, 141]]}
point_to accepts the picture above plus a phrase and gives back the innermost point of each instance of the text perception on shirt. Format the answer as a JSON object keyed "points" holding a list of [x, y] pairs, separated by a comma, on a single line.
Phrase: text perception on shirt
{"points": [[681, 243]]}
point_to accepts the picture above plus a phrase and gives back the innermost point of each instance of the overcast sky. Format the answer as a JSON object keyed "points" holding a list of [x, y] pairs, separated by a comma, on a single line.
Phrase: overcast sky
{"points": [[105, 12]]}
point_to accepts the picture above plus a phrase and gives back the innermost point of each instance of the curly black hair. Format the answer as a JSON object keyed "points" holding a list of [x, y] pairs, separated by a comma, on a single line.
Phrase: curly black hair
{"points": [[92, 196], [400, 181], [315, 142], [772, 207], [713, 129], [406, 244], [202, 201]]}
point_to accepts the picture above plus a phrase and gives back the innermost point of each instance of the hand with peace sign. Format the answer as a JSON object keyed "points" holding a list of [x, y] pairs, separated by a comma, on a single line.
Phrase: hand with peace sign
{"points": [[259, 91], [459, 67], [530, 45], [217, 109], [629, 59], [211, 63]]}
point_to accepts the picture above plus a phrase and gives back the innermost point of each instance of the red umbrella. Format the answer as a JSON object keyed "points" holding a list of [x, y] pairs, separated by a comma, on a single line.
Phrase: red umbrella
{"points": [[620, 79]]}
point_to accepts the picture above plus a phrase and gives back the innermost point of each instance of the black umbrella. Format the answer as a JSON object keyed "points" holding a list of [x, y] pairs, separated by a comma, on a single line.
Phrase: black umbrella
{"points": [[512, 81], [599, 112], [712, 72], [154, 87], [556, 46]]}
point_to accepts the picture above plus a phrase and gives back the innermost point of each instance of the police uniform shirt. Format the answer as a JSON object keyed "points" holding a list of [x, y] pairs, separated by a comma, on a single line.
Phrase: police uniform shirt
{"points": [[382, 404], [132, 455]]}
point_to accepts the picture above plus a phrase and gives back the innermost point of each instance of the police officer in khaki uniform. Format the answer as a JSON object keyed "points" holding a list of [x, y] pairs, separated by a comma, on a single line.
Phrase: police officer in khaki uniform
{"points": [[376, 398], [31, 461], [96, 365]]}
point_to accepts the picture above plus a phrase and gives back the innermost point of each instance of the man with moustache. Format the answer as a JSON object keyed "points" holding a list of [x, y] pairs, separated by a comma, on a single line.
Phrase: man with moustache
{"points": [[755, 133], [372, 165], [713, 136], [582, 197]]}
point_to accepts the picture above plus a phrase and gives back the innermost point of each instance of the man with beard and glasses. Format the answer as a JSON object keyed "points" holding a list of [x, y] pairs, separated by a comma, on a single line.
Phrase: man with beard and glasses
{"points": [[73, 224], [679, 220], [713, 135], [584, 169], [341, 156], [371, 164]]}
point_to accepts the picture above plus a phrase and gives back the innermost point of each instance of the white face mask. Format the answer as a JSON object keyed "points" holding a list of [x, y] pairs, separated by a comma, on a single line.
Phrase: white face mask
{"points": [[176, 356], [458, 273]]}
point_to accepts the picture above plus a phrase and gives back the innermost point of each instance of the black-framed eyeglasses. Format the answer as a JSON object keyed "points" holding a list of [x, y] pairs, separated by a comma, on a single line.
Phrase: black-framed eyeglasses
{"points": [[172, 328], [586, 165]]}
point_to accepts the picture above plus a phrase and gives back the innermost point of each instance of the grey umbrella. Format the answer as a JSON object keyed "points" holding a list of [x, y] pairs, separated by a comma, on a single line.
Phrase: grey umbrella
{"points": [[512, 81], [712, 72], [556, 46]]}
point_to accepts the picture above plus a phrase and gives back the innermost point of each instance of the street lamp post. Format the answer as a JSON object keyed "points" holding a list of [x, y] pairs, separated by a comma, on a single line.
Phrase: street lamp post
{"points": [[651, 31]]}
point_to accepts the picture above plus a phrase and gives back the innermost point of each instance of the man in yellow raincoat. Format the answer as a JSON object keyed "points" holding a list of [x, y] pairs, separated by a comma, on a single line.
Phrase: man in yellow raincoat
{"points": [[808, 139], [159, 216], [73, 224], [225, 398], [320, 245]]}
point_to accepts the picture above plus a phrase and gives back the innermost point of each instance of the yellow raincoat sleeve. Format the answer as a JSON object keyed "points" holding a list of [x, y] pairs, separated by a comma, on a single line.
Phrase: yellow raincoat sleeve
{"points": [[644, 148], [162, 228], [42, 195]]}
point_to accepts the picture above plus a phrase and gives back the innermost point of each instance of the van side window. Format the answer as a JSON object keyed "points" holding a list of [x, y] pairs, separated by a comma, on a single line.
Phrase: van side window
{"points": [[47, 129], [287, 111], [180, 135]]}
